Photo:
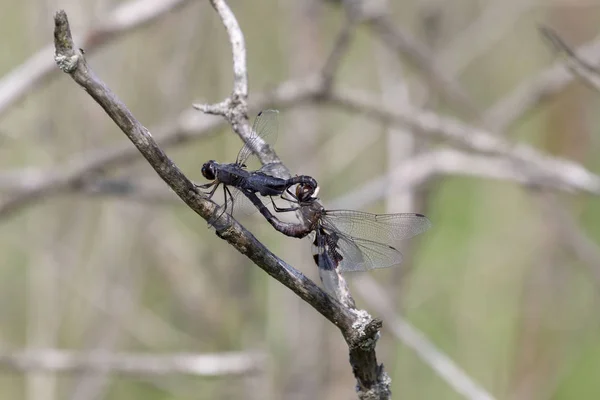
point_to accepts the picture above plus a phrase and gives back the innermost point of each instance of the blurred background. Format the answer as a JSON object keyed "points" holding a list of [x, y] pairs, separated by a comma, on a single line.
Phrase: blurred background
{"points": [[110, 288]]}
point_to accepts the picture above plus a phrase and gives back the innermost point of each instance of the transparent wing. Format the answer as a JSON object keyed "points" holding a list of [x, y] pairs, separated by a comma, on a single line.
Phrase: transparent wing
{"points": [[264, 129], [241, 205], [362, 255], [237, 204], [386, 228], [275, 169]]}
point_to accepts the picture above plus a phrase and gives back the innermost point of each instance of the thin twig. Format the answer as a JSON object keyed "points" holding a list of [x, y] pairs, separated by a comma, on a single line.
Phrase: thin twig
{"points": [[495, 21], [124, 18], [207, 365], [421, 168], [588, 73], [238, 50], [566, 174], [443, 365], [409, 175], [575, 239], [190, 125], [234, 108], [340, 48], [526, 97], [403, 43]]}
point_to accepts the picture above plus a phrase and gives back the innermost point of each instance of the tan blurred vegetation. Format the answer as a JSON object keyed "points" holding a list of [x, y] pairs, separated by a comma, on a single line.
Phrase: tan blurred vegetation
{"points": [[495, 284]]}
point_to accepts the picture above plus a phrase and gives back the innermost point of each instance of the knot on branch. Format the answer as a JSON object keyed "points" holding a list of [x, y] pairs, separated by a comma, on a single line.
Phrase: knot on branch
{"points": [[65, 63], [380, 390], [365, 332]]}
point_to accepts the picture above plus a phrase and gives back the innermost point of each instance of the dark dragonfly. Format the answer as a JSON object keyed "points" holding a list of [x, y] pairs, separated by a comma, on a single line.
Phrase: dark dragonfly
{"points": [[348, 240], [263, 181]]}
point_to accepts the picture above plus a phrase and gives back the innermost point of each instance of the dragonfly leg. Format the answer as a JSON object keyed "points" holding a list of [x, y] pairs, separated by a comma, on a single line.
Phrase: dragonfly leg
{"points": [[222, 208], [226, 193], [214, 185], [278, 209], [293, 198]]}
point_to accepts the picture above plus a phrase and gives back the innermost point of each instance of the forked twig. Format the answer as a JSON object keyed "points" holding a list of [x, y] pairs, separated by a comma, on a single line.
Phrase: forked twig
{"points": [[588, 73]]}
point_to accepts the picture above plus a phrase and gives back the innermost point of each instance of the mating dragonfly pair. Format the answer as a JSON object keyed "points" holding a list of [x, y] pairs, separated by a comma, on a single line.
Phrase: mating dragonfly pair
{"points": [[344, 240]]}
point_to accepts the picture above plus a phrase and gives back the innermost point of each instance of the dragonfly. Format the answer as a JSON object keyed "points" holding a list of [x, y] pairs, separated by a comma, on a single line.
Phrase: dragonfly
{"points": [[347, 240], [236, 175]]}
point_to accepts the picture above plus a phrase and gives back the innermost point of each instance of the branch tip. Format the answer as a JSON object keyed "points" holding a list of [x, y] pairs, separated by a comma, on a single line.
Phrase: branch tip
{"points": [[62, 33], [65, 55], [223, 108]]}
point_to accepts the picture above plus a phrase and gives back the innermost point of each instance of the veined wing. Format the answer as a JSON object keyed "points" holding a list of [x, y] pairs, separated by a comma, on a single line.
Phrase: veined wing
{"points": [[275, 169], [385, 228], [264, 129], [362, 254], [237, 204]]}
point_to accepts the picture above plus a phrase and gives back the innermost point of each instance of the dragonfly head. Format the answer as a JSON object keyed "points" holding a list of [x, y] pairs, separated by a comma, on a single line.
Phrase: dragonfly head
{"points": [[306, 193], [209, 171]]}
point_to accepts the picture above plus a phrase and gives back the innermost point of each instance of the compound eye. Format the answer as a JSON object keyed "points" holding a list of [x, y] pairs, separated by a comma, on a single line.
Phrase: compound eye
{"points": [[306, 192], [208, 171]]}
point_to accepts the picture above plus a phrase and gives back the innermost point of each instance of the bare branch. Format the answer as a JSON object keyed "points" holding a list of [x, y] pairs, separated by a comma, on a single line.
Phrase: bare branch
{"points": [[582, 246], [586, 72], [234, 108], [496, 20], [409, 174], [421, 168], [207, 365], [36, 184], [443, 365], [375, 15], [124, 18], [238, 49], [340, 47], [562, 173], [541, 87], [188, 126]]}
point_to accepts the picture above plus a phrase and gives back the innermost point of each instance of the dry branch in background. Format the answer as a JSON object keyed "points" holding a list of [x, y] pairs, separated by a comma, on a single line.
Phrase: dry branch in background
{"points": [[541, 170], [530, 94], [581, 68], [443, 365], [359, 330], [548, 170], [189, 126], [124, 18], [376, 16], [207, 365]]}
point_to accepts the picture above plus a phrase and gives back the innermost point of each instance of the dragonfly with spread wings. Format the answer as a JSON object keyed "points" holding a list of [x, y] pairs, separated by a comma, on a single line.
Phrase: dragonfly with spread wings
{"points": [[346, 240], [236, 175]]}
